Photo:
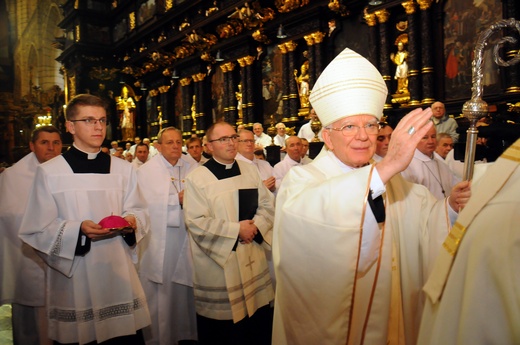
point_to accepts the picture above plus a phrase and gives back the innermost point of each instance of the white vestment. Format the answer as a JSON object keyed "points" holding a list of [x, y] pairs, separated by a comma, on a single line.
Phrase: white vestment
{"points": [[280, 141], [319, 236], [96, 296], [165, 268], [228, 284], [434, 174], [22, 270], [264, 168], [263, 140], [281, 168], [307, 133], [472, 294]]}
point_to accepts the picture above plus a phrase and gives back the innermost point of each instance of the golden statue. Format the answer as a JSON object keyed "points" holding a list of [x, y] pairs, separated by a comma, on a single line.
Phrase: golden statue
{"points": [[303, 84], [126, 110], [238, 96], [401, 72], [194, 114]]}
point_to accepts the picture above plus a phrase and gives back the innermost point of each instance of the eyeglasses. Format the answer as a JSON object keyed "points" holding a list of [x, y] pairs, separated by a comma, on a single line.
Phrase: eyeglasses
{"points": [[225, 140], [349, 130], [247, 141], [90, 121]]}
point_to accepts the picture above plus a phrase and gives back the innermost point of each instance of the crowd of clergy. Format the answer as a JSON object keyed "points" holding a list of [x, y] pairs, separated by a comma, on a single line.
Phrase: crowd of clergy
{"points": [[377, 240]]}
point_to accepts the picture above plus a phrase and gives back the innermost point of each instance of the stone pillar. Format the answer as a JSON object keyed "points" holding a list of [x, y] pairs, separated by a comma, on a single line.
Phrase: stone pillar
{"points": [[230, 108], [414, 54], [512, 73], [314, 42], [286, 75], [384, 57], [373, 46], [294, 98], [249, 114], [187, 120], [200, 119], [426, 52]]}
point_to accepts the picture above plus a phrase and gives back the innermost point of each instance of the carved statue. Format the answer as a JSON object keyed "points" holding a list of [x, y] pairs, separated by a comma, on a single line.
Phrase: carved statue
{"points": [[238, 96], [401, 72], [303, 84], [126, 110]]}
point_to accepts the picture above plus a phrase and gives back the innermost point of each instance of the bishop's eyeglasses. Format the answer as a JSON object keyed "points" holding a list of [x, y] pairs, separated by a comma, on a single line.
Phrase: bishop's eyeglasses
{"points": [[90, 121], [349, 130]]}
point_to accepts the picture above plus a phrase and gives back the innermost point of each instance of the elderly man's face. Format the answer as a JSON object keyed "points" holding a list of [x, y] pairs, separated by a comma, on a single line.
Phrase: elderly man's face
{"points": [[258, 130], [438, 110], [280, 130], [355, 150], [428, 143], [294, 148]]}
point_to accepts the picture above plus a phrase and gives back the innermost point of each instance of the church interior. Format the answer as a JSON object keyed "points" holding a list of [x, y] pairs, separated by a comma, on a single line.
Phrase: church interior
{"points": [[190, 63]]}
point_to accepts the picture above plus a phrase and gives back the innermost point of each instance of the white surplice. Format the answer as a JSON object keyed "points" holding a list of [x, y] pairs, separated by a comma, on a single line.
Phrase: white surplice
{"points": [[166, 268], [316, 244], [228, 284], [97, 296], [434, 174], [21, 269]]}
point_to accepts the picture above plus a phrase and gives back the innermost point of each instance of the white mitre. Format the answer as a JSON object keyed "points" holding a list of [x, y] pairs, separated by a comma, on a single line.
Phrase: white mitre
{"points": [[349, 85]]}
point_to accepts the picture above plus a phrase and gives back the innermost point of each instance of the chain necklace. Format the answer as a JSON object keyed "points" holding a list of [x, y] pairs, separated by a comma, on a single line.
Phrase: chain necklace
{"points": [[174, 179], [439, 180]]}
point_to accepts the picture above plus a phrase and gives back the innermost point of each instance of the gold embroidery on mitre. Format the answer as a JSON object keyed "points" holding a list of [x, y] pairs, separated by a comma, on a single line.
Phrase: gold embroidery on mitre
{"points": [[451, 244]]}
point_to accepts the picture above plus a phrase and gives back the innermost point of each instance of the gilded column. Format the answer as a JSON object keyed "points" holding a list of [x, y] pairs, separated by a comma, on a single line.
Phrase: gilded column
{"points": [[318, 54], [384, 60], [187, 120], [294, 99], [512, 73], [426, 52], [230, 108], [249, 114], [286, 75], [414, 77], [200, 119], [241, 94], [373, 46]]}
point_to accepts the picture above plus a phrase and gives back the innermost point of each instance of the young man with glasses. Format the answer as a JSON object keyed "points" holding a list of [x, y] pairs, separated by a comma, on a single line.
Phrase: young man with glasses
{"points": [[229, 214], [94, 293], [361, 269]]}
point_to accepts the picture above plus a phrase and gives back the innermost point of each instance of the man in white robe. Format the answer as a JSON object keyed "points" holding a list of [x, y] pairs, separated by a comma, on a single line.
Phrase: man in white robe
{"points": [[93, 290], [428, 169], [246, 153], [22, 271], [141, 155], [165, 269], [194, 149], [347, 272], [306, 132], [262, 140], [293, 158], [472, 293], [229, 214]]}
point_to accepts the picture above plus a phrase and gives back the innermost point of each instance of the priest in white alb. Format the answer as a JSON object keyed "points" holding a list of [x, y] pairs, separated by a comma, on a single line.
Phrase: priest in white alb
{"points": [[93, 290], [353, 242], [165, 268]]}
